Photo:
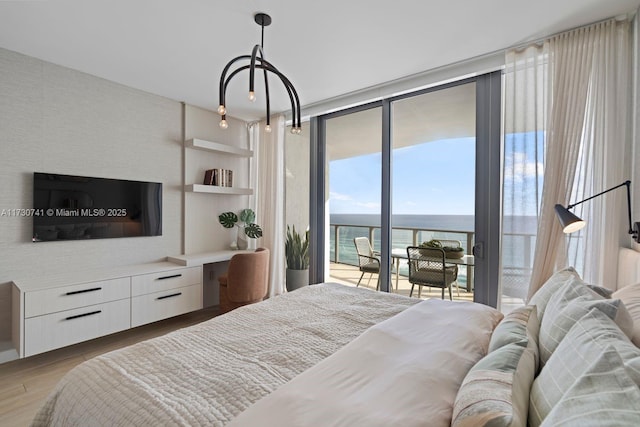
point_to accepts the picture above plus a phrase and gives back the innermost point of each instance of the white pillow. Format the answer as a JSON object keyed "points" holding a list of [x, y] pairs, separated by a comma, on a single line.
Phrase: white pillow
{"points": [[630, 296]]}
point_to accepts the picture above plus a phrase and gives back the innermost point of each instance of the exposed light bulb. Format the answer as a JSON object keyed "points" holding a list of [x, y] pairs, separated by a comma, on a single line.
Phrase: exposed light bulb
{"points": [[293, 130], [252, 96], [267, 128], [298, 131], [224, 124], [221, 110]]}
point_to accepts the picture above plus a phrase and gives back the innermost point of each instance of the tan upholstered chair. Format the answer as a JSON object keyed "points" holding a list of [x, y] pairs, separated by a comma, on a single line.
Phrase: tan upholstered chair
{"points": [[246, 281]]}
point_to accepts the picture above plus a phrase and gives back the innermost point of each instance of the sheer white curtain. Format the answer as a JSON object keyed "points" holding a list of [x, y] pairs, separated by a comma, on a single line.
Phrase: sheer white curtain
{"points": [[268, 181], [526, 89], [585, 94]]}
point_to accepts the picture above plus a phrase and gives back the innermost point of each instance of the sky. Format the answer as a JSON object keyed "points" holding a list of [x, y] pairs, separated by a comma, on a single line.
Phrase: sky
{"points": [[434, 178], [438, 178]]}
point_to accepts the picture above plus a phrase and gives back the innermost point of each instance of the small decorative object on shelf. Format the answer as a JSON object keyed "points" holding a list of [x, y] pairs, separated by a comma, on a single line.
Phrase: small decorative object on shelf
{"points": [[248, 229], [218, 177]]}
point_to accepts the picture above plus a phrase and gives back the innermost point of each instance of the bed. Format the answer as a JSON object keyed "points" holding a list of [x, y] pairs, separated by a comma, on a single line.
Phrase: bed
{"points": [[209, 373], [335, 356]]}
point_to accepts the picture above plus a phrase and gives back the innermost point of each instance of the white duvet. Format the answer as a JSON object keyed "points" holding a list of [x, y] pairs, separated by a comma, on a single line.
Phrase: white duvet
{"points": [[207, 374], [405, 371]]}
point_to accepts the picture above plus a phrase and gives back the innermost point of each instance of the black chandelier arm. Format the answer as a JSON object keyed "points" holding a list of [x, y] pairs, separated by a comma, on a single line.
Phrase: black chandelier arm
{"points": [[223, 76], [223, 89], [293, 94], [266, 66], [257, 49]]}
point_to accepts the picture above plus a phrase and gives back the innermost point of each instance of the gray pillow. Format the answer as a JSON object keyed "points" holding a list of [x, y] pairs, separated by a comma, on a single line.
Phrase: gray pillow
{"points": [[495, 392], [582, 346], [604, 395], [543, 295], [570, 303], [521, 323]]}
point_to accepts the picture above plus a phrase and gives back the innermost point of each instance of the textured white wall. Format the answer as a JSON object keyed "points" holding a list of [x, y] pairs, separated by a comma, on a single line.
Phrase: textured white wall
{"points": [[54, 119], [203, 232]]}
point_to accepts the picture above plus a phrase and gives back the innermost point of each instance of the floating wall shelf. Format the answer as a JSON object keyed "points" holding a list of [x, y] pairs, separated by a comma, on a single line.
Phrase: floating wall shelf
{"points": [[201, 144], [214, 189]]}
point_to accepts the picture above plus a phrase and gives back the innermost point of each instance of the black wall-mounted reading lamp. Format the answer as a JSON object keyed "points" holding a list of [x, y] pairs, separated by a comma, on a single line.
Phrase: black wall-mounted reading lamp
{"points": [[570, 222]]}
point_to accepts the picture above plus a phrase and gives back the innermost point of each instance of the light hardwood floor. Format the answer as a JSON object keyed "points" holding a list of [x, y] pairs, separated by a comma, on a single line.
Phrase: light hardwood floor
{"points": [[25, 383]]}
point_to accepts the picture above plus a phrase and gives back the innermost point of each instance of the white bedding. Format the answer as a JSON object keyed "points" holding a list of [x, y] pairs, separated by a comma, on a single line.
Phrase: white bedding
{"points": [[405, 371], [207, 374]]}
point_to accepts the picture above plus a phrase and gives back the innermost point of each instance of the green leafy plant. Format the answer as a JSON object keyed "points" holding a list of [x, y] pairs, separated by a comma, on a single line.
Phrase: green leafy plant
{"points": [[246, 217], [296, 249], [435, 243]]}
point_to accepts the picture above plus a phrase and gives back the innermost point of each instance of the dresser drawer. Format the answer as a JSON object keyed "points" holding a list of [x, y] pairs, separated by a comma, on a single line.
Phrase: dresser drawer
{"points": [[161, 305], [68, 297], [44, 333], [155, 282]]}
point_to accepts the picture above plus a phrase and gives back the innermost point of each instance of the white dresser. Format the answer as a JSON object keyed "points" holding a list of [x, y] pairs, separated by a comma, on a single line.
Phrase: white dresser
{"points": [[53, 312]]}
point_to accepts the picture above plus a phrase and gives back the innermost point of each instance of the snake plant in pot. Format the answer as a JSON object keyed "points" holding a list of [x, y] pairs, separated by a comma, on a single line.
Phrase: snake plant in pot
{"points": [[296, 250], [247, 229]]}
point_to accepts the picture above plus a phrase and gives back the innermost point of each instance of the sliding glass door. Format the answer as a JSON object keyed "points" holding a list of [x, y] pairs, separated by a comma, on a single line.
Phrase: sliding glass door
{"points": [[407, 170], [354, 168], [433, 182]]}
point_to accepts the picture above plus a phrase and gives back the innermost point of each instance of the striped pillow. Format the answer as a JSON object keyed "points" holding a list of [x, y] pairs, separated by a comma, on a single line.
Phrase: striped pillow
{"points": [[495, 392], [569, 304], [582, 346], [516, 325], [543, 295], [605, 395]]}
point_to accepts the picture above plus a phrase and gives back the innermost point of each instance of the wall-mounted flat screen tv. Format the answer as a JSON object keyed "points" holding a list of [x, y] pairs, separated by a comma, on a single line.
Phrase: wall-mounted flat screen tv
{"points": [[68, 207]]}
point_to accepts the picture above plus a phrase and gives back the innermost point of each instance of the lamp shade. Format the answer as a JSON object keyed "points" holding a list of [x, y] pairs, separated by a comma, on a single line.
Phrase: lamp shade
{"points": [[568, 220]]}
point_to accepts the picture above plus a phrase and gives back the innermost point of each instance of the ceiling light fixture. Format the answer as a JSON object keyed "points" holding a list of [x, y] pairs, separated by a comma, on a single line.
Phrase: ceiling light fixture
{"points": [[257, 60]]}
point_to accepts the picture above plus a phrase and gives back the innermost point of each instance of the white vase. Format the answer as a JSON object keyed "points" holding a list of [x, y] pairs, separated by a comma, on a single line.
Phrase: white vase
{"points": [[241, 240]]}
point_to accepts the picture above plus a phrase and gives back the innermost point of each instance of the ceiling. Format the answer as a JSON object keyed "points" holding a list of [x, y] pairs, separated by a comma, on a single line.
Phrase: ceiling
{"points": [[177, 48]]}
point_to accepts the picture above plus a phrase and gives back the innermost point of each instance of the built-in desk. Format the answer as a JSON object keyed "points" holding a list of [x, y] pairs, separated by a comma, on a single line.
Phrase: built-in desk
{"points": [[202, 258]]}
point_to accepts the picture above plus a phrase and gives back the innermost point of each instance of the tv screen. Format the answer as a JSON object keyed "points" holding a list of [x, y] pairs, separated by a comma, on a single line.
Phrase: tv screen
{"points": [[68, 207]]}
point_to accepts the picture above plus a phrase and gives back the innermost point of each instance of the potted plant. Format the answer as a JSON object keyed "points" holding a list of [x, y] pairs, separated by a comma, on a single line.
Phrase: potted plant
{"points": [[451, 252], [296, 250], [245, 223]]}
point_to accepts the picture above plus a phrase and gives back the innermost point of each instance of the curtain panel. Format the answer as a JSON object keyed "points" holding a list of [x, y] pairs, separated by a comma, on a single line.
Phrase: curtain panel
{"points": [[567, 109], [268, 179]]}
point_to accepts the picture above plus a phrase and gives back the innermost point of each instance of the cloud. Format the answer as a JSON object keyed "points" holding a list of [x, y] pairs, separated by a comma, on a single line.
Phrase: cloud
{"points": [[518, 168], [338, 196], [368, 205]]}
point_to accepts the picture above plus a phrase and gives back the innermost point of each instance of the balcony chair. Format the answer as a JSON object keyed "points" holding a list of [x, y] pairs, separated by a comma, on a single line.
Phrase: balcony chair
{"points": [[368, 260], [246, 280], [427, 267], [453, 244]]}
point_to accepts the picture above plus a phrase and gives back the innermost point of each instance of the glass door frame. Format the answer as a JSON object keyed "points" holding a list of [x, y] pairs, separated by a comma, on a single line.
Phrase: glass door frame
{"points": [[488, 176]]}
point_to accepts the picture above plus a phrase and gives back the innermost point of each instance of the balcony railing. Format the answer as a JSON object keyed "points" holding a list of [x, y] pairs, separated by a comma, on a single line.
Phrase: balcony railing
{"points": [[517, 257]]}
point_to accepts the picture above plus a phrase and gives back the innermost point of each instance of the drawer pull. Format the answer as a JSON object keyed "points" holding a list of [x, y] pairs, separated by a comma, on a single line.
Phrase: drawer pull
{"points": [[169, 277], [83, 291], [170, 295], [83, 315]]}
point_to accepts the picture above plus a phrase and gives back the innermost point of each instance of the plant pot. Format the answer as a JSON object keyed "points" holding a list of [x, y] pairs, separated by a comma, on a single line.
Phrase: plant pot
{"points": [[242, 239], [453, 254], [297, 279]]}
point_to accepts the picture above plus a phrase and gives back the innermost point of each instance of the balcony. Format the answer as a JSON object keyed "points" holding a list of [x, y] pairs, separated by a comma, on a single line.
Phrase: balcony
{"points": [[515, 273]]}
